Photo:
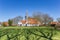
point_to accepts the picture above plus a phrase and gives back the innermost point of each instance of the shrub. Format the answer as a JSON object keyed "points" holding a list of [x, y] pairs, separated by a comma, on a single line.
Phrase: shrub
{"points": [[4, 24]]}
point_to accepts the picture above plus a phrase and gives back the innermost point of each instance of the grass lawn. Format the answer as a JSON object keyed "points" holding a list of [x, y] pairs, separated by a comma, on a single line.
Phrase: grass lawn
{"points": [[22, 33]]}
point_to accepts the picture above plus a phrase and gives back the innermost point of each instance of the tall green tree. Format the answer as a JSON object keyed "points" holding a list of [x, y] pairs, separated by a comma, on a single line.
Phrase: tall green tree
{"points": [[10, 22]]}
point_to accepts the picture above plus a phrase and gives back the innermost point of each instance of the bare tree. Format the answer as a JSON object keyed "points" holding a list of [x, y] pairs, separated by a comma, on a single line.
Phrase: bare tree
{"points": [[44, 18], [38, 16], [47, 19], [58, 24], [58, 19], [16, 20]]}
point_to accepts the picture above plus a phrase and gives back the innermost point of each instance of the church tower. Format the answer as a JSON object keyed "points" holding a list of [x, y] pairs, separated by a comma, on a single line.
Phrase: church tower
{"points": [[26, 15]]}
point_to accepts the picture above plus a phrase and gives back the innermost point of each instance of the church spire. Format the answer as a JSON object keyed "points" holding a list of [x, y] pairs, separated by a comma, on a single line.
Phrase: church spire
{"points": [[26, 16]]}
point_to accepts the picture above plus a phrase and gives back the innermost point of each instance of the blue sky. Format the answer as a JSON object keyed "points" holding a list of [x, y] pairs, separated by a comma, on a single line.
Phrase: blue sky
{"points": [[12, 8]]}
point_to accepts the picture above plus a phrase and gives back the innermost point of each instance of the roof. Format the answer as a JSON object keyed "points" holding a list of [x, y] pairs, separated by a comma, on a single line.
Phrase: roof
{"points": [[54, 22], [30, 21], [23, 21]]}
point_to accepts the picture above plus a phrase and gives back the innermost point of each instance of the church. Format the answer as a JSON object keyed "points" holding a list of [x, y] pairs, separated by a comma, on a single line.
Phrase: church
{"points": [[29, 21]]}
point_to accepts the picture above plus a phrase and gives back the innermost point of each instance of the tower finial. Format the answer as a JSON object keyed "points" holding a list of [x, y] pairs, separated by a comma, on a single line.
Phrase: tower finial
{"points": [[26, 12]]}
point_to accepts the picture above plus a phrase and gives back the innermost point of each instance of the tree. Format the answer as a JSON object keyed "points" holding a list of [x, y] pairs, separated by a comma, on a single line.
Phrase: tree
{"points": [[58, 19], [47, 19], [43, 18], [58, 24], [16, 20], [38, 16], [10, 22]]}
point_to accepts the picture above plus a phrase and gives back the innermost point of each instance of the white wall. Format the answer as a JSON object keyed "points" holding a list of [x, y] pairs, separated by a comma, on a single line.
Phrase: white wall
{"points": [[19, 23]]}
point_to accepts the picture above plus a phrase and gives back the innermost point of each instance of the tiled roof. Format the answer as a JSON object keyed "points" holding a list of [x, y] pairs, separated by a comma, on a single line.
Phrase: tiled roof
{"points": [[23, 21], [54, 22], [31, 21]]}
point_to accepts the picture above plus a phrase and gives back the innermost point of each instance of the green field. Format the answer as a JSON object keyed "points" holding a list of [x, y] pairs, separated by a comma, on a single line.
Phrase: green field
{"points": [[29, 33]]}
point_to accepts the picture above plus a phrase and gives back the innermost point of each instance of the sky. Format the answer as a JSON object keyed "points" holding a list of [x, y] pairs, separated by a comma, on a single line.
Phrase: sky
{"points": [[12, 8]]}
